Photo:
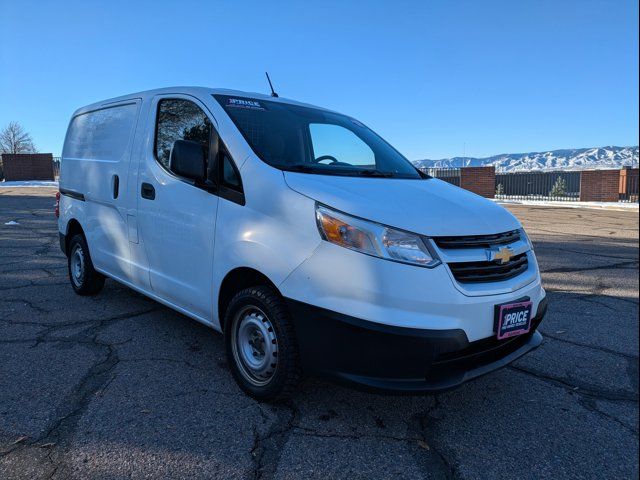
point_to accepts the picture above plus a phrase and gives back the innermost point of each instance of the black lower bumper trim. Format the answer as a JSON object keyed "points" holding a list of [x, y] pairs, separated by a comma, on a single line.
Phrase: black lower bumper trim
{"points": [[396, 359]]}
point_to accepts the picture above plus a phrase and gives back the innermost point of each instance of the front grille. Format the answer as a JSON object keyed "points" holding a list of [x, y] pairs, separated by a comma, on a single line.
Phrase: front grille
{"points": [[477, 241], [479, 272]]}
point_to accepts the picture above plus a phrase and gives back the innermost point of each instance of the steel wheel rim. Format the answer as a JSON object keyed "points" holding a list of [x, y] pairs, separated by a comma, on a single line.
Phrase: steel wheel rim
{"points": [[77, 265], [254, 345]]}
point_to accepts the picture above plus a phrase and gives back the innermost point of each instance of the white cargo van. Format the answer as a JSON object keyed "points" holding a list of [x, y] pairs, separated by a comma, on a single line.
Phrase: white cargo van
{"points": [[301, 235]]}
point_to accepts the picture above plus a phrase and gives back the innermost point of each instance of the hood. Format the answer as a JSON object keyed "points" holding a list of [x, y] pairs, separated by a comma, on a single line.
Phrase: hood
{"points": [[429, 207]]}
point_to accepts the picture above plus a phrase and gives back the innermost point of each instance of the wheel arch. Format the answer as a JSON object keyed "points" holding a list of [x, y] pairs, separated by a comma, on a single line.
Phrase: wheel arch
{"points": [[235, 280], [73, 228]]}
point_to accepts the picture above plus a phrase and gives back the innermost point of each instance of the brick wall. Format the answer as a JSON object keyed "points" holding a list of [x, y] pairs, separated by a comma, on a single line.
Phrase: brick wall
{"points": [[600, 186], [480, 180], [27, 166]]}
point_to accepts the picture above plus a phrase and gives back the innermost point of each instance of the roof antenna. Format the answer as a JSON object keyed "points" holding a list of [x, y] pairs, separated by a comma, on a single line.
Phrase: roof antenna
{"points": [[273, 92]]}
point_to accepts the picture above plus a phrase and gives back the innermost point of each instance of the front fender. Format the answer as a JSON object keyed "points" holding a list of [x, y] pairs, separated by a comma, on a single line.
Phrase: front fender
{"points": [[273, 233]]}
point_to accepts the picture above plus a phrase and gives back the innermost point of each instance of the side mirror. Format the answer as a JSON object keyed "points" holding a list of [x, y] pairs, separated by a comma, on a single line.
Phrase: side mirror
{"points": [[188, 159]]}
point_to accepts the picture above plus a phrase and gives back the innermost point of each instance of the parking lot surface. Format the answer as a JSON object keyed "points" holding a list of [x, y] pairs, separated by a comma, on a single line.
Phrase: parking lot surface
{"points": [[118, 386]]}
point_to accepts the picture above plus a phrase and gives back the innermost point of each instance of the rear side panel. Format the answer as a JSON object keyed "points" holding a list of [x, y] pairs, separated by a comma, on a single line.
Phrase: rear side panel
{"points": [[95, 163]]}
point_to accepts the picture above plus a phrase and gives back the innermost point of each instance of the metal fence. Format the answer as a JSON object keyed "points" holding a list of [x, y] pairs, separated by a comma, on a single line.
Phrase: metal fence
{"points": [[562, 186], [56, 168], [450, 175], [631, 194]]}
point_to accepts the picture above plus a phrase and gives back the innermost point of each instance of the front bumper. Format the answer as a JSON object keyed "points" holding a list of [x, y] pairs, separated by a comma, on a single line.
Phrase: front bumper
{"points": [[397, 359], [400, 295]]}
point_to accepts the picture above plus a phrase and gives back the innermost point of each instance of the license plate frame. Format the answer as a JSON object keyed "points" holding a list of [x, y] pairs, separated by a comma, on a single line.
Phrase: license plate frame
{"points": [[516, 325]]}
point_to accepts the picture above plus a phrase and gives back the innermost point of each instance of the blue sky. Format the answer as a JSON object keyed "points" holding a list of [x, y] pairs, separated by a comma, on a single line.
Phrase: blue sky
{"points": [[435, 78]]}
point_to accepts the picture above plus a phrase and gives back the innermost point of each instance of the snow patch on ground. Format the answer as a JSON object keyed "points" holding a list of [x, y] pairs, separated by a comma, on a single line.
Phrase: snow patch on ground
{"points": [[599, 205], [29, 183]]}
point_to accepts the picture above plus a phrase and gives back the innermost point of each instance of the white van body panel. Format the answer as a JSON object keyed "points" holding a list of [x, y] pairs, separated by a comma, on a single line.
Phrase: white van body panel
{"points": [[139, 262], [432, 208], [181, 246], [392, 293], [96, 154], [178, 228], [273, 233]]}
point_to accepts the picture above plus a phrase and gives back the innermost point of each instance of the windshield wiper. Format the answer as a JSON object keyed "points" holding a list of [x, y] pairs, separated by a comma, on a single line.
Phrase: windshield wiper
{"points": [[373, 173], [327, 170], [305, 168], [300, 167]]}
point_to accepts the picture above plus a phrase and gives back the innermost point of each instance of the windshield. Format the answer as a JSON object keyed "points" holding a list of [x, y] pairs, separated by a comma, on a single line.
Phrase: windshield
{"points": [[311, 140]]}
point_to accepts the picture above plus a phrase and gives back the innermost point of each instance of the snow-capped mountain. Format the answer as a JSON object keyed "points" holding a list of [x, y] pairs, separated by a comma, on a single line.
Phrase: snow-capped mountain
{"points": [[570, 159]]}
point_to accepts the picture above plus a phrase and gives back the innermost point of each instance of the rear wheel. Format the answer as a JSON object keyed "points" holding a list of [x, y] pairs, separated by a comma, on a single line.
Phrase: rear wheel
{"points": [[84, 278], [261, 344]]}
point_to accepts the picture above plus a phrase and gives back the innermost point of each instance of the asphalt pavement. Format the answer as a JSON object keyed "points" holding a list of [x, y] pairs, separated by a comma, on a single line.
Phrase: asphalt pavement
{"points": [[118, 386]]}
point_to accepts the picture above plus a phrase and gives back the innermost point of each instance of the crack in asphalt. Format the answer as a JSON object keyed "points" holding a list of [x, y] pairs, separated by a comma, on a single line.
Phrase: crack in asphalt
{"points": [[32, 284], [180, 361], [593, 298], [309, 432], [18, 262], [591, 405], [586, 295], [593, 254], [426, 452], [579, 387], [267, 448], [32, 305], [592, 347], [76, 402], [22, 269], [613, 266]]}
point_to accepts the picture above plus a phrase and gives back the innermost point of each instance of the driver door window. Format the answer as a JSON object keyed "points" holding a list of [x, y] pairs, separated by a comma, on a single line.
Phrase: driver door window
{"points": [[340, 145], [179, 119]]}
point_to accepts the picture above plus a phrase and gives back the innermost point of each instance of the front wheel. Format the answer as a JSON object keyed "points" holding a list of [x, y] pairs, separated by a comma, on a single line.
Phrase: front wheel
{"points": [[85, 280], [261, 344]]}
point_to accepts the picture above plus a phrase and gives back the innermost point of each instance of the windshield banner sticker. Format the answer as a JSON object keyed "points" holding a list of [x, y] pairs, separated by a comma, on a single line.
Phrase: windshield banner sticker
{"points": [[241, 103]]}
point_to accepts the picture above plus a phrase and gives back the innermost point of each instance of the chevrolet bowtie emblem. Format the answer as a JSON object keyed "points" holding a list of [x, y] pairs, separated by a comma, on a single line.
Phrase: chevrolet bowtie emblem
{"points": [[502, 255]]}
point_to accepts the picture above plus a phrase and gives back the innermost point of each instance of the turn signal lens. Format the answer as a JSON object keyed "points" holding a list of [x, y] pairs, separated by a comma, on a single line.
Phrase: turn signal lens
{"points": [[373, 238], [338, 231]]}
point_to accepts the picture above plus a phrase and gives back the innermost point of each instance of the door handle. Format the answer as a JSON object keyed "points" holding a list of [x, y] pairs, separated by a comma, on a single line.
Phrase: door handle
{"points": [[116, 186], [147, 191]]}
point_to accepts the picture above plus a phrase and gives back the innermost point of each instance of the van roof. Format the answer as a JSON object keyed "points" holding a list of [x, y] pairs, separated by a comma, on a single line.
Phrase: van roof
{"points": [[195, 91]]}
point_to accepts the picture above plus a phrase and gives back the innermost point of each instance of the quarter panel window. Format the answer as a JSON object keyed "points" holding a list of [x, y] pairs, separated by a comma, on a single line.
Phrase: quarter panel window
{"points": [[102, 134], [179, 119], [230, 175]]}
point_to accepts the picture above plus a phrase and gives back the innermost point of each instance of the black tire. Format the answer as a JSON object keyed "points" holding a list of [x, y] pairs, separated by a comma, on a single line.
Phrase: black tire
{"points": [[252, 303], [84, 279]]}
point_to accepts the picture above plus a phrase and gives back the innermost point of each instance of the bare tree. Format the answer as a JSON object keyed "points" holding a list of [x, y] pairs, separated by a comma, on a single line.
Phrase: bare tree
{"points": [[15, 139]]}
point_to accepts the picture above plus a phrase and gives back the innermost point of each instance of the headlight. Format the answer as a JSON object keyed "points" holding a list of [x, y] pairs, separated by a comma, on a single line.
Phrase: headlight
{"points": [[373, 238]]}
